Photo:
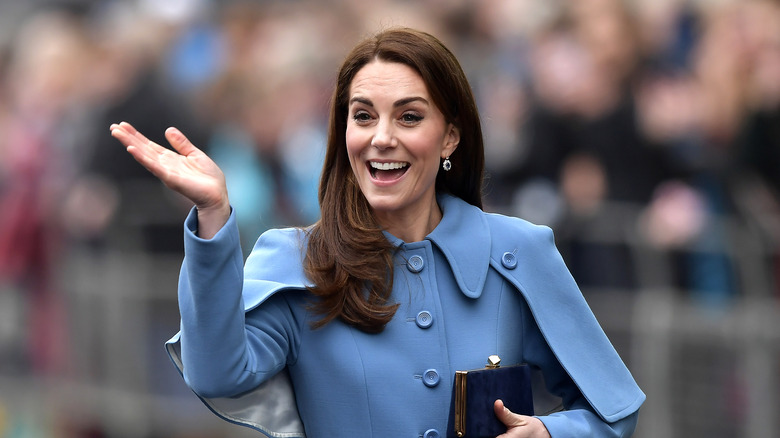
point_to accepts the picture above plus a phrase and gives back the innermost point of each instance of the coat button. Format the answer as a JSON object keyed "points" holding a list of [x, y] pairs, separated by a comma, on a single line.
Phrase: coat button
{"points": [[424, 319], [431, 378], [431, 433], [509, 260], [415, 263]]}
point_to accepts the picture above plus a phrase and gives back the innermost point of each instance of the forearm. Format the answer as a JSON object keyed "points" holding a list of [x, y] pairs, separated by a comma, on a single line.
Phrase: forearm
{"points": [[226, 351], [212, 318]]}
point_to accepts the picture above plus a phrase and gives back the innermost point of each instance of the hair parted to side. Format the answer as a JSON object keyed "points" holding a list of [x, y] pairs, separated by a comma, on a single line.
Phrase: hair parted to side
{"points": [[348, 258]]}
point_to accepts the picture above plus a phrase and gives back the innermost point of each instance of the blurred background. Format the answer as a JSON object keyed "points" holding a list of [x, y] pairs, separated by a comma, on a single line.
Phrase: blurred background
{"points": [[646, 133]]}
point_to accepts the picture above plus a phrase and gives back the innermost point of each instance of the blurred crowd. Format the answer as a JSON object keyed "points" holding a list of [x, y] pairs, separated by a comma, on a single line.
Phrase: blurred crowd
{"points": [[614, 122]]}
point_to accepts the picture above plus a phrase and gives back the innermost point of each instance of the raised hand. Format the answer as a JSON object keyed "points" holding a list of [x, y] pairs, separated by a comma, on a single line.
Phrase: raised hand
{"points": [[186, 170]]}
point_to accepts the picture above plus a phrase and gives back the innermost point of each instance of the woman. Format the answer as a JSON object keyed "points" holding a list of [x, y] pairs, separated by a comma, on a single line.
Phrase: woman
{"points": [[356, 325]]}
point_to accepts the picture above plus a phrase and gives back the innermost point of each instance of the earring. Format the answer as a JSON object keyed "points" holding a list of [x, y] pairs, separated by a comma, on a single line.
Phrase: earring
{"points": [[447, 164]]}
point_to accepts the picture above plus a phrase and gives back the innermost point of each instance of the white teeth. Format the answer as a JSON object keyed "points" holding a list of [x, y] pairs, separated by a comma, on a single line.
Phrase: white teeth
{"points": [[388, 166]]}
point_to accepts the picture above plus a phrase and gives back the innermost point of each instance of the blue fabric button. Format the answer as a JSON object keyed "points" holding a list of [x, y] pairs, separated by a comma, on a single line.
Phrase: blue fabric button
{"points": [[509, 260], [431, 378], [431, 433], [415, 263], [424, 319]]}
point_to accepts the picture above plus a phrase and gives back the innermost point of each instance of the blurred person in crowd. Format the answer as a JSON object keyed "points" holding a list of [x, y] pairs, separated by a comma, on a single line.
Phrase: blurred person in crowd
{"points": [[712, 118], [110, 192], [43, 85], [583, 67], [759, 195], [403, 272], [585, 153], [492, 40], [263, 110]]}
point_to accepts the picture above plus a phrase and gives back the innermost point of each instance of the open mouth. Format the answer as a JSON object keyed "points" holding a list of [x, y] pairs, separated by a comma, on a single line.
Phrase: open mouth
{"points": [[387, 171]]}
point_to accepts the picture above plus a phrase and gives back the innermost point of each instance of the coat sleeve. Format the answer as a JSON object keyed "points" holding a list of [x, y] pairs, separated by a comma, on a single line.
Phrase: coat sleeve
{"points": [[236, 368]]}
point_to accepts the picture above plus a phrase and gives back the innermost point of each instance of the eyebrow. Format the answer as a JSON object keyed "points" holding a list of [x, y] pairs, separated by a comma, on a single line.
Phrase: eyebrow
{"points": [[396, 104]]}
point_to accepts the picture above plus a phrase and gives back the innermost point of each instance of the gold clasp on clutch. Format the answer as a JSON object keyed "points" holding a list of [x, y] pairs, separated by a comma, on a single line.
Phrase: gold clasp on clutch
{"points": [[493, 361]]}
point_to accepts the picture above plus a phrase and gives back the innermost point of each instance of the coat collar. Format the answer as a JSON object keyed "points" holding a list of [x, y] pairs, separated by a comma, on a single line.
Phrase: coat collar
{"points": [[463, 236]]}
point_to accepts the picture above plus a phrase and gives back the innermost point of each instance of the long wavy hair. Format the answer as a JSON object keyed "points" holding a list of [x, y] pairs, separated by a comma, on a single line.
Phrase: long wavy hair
{"points": [[348, 258]]}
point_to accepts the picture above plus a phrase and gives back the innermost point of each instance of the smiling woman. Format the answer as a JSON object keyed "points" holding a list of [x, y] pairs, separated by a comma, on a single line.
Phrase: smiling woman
{"points": [[396, 138], [356, 325]]}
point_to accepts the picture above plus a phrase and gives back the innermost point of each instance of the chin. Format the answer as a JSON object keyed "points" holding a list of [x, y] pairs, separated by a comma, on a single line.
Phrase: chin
{"points": [[382, 204]]}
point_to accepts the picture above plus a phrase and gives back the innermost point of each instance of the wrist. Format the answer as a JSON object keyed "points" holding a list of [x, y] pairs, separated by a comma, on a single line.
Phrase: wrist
{"points": [[212, 218]]}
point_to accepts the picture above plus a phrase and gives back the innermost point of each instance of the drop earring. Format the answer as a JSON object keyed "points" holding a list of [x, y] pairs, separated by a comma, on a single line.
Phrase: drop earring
{"points": [[447, 164]]}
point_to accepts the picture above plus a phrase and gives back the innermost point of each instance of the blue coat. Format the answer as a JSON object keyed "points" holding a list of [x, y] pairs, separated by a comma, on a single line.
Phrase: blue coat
{"points": [[479, 284]]}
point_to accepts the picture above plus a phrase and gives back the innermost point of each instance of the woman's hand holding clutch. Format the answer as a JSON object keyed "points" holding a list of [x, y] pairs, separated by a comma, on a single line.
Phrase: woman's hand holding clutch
{"points": [[519, 426]]}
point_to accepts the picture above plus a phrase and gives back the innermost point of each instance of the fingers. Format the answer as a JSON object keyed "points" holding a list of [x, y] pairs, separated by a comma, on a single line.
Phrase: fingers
{"points": [[509, 418], [131, 138], [145, 151], [128, 135]]}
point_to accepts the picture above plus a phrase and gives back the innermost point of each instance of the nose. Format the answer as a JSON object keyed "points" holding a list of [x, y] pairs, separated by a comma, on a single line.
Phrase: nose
{"points": [[383, 136]]}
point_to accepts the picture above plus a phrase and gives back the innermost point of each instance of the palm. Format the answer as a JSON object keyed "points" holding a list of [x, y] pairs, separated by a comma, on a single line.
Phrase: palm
{"points": [[186, 170]]}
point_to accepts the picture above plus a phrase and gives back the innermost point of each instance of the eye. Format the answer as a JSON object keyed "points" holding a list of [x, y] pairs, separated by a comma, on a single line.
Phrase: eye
{"points": [[361, 117], [411, 118]]}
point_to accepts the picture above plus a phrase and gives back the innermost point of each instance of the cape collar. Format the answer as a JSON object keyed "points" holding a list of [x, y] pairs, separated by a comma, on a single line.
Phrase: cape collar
{"points": [[463, 236]]}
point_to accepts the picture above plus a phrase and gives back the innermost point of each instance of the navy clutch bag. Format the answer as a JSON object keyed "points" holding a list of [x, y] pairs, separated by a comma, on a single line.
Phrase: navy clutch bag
{"points": [[475, 391]]}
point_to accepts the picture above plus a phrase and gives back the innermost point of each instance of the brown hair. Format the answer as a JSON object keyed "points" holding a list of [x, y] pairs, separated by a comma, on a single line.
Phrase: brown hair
{"points": [[348, 258]]}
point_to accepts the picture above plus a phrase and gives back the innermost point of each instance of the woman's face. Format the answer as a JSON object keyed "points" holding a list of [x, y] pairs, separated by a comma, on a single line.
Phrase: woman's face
{"points": [[395, 139]]}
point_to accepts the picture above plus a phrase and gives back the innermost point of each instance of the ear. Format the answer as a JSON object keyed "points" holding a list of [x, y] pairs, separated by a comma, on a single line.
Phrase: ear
{"points": [[451, 140]]}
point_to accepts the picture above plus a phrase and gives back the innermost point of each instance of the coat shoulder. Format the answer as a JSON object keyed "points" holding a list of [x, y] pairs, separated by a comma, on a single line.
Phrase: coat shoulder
{"points": [[508, 230]]}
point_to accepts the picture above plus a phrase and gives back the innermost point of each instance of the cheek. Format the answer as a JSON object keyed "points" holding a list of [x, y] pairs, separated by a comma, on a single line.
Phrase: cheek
{"points": [[354, 148], [354, 139], [427, 146]]}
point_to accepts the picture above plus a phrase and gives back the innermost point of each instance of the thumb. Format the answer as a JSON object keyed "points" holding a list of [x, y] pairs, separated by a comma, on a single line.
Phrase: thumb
{"points": [[179, 141], [509, 418]]}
